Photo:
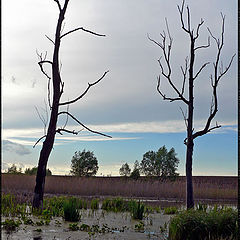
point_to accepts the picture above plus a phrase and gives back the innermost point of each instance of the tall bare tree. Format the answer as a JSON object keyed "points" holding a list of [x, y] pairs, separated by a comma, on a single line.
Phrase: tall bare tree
{"points": [[57, 84], [189, 74]]}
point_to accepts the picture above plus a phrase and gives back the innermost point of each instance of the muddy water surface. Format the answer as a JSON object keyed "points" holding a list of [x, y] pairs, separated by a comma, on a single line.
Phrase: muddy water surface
{"points": [[120, 226]]}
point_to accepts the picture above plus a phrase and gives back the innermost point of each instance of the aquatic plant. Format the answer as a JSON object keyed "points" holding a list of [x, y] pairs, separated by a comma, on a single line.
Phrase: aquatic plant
{"points": [[200, 225], [70, 210], [95, 204], [11, 225], [170, 210], [73, 226], [140, 226], [85, 227], [115, 205], [137, 210]]}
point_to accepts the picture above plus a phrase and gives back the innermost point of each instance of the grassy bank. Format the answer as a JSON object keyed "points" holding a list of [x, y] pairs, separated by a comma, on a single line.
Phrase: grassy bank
{"points": [[212, 188]]}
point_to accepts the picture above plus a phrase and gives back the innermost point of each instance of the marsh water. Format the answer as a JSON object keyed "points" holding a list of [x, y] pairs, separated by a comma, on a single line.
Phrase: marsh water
{"points": [[117, 225]]}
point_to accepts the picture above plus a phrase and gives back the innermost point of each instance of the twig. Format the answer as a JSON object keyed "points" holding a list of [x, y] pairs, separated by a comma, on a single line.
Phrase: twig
{"points": [[83, 29], [84, 93], [39, 140], [83, 124]]}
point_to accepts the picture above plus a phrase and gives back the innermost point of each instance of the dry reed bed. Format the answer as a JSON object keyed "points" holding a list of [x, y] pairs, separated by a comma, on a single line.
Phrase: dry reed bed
{"points": [[213, 188]]}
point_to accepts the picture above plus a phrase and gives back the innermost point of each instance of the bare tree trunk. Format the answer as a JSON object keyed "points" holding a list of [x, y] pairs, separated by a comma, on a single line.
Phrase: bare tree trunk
{"points": [[189, 185], [50, 137], [57, 86], [218, 72], [189, 142], [41, 173]]}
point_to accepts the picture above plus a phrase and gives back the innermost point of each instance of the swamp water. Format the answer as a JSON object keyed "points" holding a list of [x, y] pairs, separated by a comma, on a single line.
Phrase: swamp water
{"points": [[119, 226]]}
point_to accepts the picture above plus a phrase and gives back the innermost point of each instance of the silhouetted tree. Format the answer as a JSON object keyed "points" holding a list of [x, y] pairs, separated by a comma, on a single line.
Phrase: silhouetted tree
{"points": [[135, 174], [13, 170], [33, 171], [189, 75], [54, 104], [125, 170], [84, 164], [162, 163]]}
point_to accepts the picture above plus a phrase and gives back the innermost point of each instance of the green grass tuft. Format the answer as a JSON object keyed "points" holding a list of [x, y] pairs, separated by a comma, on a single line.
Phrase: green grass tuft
{"points": [[70, 210], [202, 225]]}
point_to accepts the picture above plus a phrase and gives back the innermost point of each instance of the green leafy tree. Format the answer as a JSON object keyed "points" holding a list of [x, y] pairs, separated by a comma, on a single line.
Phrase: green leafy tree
{"points": [[13, 170], [135, 174], [84, 164], [161, 163], [33, 171], [125, 170]]}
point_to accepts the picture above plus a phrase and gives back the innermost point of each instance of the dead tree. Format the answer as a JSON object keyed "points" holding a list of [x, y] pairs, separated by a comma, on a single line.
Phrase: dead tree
{"points": [[189, 74], [57, 84]]}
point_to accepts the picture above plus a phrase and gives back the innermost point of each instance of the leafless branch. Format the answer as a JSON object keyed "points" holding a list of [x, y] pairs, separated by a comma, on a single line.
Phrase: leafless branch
{"points": [[46, 111], [39, 141], [181, 18], [42, 61], [163, 95], [67, 117], [83, 124], [184, 117], [166, 54], [226, 69], [157, 43], [202, 67], [218, 74], [203, 46], [198, 27], [59, 6], [203, 132], [44, 121], [83, 29], [50, 39], [59, 130], [184, 72], [84, 93], [189, 21]]}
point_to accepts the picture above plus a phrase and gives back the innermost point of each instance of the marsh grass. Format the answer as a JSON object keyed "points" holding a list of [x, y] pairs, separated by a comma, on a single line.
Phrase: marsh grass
{"points": [[71, 210], [170, 210], [11, 208], [214, 188], [115, 205], [11, 225], [137, 210], [212, 224], [95, 204]]}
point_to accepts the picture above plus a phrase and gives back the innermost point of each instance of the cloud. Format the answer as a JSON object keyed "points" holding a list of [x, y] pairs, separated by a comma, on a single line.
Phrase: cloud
{"points": [[30, 136], [15, 147]]}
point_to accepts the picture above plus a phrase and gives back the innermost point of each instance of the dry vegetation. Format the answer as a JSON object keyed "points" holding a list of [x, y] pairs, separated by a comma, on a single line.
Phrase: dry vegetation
{"points": [[211, 188]]}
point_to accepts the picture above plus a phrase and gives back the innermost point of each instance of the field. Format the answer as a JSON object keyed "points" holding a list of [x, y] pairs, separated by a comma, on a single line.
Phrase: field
{"points": [[206, 189]]}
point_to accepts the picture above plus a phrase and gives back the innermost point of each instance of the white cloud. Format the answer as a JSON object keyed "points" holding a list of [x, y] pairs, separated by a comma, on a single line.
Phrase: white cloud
{"points": [[31, 135]]}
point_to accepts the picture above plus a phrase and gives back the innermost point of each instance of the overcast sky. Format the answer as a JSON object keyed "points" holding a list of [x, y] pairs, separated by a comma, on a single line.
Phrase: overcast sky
{"points": [[125, 104]]}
